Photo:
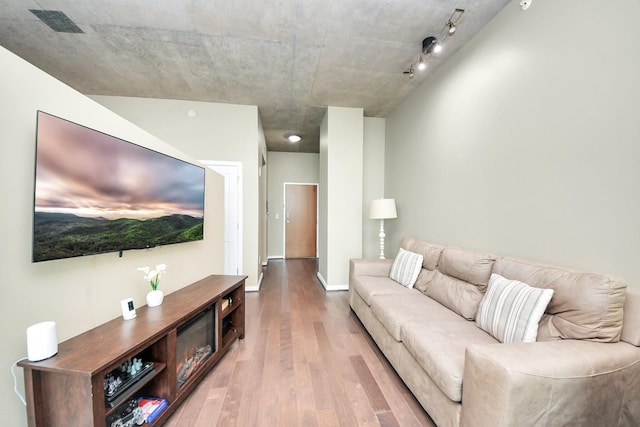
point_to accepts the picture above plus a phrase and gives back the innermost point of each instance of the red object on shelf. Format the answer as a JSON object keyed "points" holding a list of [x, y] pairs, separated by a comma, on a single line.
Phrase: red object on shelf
{"points": [[151, 407]]}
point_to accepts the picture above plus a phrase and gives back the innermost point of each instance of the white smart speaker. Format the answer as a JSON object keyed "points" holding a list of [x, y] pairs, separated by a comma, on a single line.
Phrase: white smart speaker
{"points": [[42, 341]]}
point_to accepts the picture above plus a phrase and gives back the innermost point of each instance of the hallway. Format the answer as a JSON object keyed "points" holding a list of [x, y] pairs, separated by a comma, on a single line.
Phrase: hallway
{"points": [[305, 361]]}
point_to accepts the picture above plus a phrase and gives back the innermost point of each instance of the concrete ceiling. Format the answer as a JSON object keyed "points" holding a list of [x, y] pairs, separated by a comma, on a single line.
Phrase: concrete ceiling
{"points": [[291, 58]]}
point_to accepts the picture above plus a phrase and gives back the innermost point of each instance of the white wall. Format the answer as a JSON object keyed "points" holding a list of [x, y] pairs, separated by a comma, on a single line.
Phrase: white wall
{"points": [[373, 185], [78, 293], [216, 132], [263, 172], [341, 160], [323, 197], [286, 168], [526, 142]]}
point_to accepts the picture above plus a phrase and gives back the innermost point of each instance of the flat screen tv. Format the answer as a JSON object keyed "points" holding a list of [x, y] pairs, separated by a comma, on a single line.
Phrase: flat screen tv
{"points": [[95, 193]]}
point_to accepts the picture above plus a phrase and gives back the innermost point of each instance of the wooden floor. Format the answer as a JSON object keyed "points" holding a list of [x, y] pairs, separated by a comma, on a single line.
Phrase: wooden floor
{"points": [[305, 361]]}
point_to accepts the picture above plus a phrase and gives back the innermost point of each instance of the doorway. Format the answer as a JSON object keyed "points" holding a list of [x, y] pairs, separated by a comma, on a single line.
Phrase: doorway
{"points": [[300, 220], [232, 172]]}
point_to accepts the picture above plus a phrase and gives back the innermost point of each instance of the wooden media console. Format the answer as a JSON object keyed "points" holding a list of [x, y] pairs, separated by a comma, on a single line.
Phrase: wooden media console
{"points": [[176, 343]]}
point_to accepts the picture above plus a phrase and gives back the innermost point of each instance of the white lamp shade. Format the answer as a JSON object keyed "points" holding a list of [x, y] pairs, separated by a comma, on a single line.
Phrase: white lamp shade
{"points": [[383, 209]]}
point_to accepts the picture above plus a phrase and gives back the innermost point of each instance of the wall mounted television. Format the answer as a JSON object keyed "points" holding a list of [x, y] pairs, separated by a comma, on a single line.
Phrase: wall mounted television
{"points": [[95, 193]]}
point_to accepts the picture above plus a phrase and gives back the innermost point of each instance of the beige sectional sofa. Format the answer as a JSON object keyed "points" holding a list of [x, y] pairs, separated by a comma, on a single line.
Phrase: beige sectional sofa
{"points": [[583, 370]]}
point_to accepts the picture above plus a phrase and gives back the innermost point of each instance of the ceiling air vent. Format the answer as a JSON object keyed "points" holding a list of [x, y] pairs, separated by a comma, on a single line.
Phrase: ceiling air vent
{"points": [[57, 20]]}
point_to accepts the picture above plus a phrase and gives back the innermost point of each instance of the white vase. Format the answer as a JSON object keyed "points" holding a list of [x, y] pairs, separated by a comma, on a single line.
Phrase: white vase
{"points": [[154, 298]]}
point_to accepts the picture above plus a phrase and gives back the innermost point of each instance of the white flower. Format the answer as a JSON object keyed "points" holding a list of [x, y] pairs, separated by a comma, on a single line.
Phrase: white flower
{"points": [[153, 276]]}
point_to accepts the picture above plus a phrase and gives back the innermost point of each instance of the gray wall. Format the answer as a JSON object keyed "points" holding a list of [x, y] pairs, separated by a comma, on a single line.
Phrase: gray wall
{"points": [[223, 132], [526, 142], [373, 186], [77, 293]]}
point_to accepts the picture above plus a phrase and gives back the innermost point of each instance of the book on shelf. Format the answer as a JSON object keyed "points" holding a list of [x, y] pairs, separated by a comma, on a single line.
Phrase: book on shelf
{"points": [[151, 407], [226, 302]]}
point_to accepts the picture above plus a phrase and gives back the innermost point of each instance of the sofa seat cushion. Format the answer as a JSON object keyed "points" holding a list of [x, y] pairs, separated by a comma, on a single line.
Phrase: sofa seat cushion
{"points": [[439, 348], [396, 310], [368, 286]]}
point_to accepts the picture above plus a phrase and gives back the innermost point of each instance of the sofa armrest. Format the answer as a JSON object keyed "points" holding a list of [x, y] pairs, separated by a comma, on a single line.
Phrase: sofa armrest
{"points": [[366, 267], [551, 383], [369, 267]]}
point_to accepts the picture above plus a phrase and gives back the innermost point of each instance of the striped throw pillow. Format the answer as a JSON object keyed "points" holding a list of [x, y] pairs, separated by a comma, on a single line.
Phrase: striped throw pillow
{"points": [[406, 267], [510, 310]]}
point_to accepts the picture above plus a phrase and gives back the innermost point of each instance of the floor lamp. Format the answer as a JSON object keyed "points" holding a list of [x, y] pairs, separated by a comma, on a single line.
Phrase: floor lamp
{"points": [[382, 209]]}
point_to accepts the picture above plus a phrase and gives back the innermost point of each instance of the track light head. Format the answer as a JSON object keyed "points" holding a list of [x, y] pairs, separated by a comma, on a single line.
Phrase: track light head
{"points": [[431, 45], [452, 28], [421, 64], [452, 23], [409, 71]]}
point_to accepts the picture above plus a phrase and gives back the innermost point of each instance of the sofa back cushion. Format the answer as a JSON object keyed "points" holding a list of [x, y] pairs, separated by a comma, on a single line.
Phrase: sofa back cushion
{"points": [[460, 280], [584, 306], [430, 258], [430, 253], [631, 325]]}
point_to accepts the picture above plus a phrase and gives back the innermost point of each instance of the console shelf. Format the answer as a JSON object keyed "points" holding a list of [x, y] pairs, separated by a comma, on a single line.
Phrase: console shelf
{"points": [[67, 389]]}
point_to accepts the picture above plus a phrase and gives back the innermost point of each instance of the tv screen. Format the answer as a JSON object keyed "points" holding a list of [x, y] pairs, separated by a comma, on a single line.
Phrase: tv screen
{"points": [[95, 193]]}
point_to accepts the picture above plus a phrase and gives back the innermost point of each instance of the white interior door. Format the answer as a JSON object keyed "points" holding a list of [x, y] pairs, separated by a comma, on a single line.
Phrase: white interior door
{"points": [[232, 172]]}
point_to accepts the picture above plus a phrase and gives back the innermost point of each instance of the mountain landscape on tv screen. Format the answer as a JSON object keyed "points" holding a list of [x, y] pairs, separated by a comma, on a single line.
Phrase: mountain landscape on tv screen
{"points": [[95, 193], [66, 235]]}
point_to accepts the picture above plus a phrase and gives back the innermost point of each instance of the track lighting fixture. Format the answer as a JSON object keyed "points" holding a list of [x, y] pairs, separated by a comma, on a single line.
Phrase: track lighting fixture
{"points": [[452, 23], [409, 71], [433, 44], [430, 45], [452, 27]]}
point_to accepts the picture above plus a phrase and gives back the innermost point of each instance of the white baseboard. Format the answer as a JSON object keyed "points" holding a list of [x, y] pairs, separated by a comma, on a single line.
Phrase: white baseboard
{"points": [[275, 257], [330, 288], [255, 288]]}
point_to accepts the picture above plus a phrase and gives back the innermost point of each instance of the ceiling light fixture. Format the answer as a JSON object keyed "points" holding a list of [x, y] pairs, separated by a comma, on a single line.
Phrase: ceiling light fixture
{"points": [[433, 44], [452, 23], [294, 138], [429, 45], [452, 27], [409, 70]]}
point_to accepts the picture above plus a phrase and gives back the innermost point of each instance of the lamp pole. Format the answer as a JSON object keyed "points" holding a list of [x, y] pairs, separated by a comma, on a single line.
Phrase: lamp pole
{"points": [[381, 235]]}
